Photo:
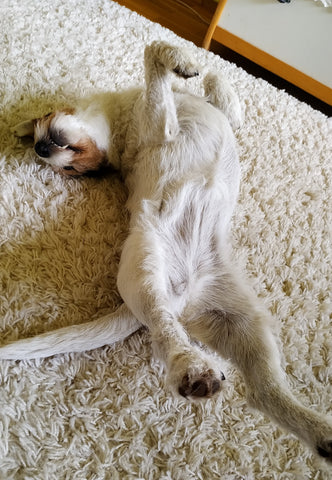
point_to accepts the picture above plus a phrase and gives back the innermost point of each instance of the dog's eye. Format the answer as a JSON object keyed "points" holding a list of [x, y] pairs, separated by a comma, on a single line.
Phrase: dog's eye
{"points": [[74, 149], [55, 140], [68, 168]]}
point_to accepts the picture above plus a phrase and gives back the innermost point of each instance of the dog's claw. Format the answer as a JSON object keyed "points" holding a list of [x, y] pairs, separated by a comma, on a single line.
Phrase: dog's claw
{"points": [[199, 389]]}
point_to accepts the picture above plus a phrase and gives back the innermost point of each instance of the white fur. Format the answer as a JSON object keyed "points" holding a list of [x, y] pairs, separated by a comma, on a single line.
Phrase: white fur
{"points": [[94, 124], [177, 154]]}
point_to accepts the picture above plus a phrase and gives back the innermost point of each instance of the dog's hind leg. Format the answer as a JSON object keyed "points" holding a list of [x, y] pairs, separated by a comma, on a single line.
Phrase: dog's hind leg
{"points": [[237, 329], [144, 285], [159, 117], [109, 329]]}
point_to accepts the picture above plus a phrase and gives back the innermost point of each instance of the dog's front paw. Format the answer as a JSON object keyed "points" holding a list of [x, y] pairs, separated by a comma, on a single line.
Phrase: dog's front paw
{"points": [[176, 59], [187, 70], [195, 374]]}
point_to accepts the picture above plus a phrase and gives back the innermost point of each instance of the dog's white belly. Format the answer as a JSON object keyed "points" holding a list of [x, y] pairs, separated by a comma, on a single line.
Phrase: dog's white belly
{"points": [[174, 245]]}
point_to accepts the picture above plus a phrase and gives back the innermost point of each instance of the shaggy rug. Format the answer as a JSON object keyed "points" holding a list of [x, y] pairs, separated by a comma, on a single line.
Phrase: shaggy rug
{"points": [[107, 414]]}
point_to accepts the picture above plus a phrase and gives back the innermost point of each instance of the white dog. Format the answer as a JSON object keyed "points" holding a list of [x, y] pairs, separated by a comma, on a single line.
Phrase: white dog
{"points": [[178, 157]]}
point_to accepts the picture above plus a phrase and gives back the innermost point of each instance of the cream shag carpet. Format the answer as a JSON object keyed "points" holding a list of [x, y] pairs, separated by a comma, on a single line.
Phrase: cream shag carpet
{"points": [[106, 414]]}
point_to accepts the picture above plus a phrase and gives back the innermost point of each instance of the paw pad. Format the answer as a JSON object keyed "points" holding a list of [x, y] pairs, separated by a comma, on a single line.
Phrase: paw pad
{"points": [[204, 385], [185, 73]]}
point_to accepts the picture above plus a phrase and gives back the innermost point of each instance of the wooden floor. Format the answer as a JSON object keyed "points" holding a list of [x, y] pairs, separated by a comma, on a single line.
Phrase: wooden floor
{"points": [[190, 19], [187, 18]]}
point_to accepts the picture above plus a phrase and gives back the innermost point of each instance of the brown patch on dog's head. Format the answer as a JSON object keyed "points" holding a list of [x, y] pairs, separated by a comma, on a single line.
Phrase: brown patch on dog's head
{"points": [[86, 158]]}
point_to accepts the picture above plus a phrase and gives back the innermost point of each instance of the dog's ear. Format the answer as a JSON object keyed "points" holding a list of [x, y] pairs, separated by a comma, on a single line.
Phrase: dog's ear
{"points": [[24, 129]]}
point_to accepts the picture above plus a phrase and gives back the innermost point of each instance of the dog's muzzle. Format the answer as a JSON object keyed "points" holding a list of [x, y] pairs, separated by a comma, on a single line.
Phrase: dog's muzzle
{"points": [[42, 149]]}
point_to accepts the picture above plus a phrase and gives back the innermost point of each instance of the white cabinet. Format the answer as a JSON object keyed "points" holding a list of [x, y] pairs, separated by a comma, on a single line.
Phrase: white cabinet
{"points": [[293, 40]]}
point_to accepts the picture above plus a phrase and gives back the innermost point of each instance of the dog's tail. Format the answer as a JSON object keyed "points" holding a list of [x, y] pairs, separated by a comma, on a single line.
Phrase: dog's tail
{"points": [[222, 95], [106, 330]]}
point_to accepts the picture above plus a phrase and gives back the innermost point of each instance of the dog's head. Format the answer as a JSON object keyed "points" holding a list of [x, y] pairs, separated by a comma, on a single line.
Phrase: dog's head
{"points": [[72, 142]]}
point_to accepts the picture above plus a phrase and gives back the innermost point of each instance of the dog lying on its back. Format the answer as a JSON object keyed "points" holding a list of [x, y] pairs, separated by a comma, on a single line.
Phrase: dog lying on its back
{"points": [[177, 154]]}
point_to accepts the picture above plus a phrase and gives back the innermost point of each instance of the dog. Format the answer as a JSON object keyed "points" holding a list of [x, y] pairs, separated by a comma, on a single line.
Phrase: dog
{"points": [[178, 157]]}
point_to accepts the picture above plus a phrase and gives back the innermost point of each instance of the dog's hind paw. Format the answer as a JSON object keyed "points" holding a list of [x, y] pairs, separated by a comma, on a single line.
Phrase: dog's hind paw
{"points": [[319, 435], [195, 374], [204, 385], [324, 449]]}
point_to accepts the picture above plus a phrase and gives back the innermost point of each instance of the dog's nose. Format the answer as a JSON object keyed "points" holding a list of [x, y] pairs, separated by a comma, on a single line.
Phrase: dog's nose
{"points": [[42, 149]]}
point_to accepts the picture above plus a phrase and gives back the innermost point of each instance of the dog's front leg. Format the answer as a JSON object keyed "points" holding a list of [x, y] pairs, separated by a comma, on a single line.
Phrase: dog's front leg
{"points": [[158, 118]]}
